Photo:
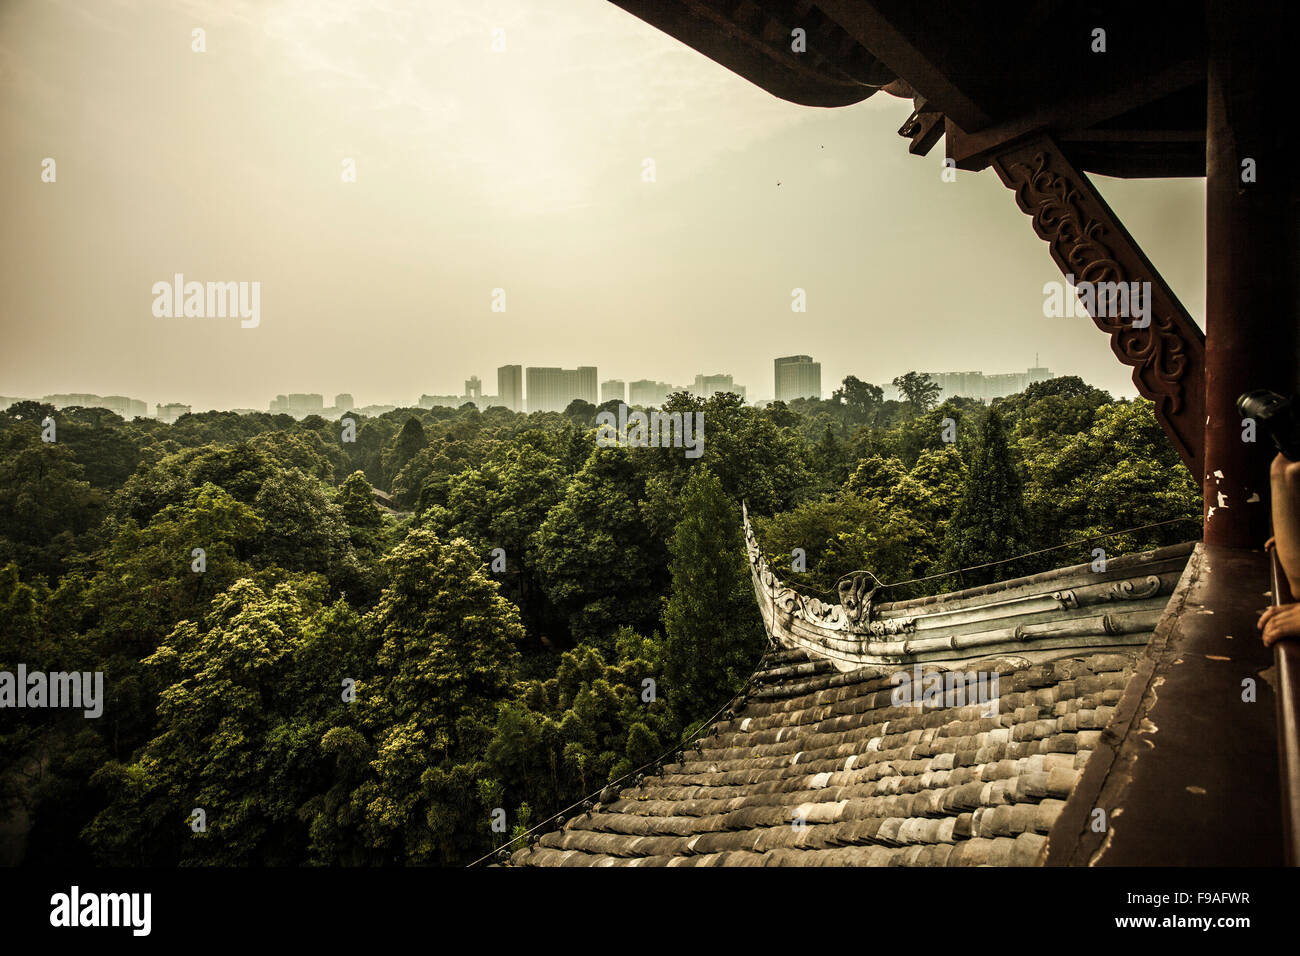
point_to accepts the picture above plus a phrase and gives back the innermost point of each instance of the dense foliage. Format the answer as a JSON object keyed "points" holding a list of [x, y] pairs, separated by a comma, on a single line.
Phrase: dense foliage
{"points": [[410, 647]]}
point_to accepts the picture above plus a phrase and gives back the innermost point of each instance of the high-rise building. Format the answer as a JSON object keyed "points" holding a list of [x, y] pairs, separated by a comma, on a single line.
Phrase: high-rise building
{"points": [[481, 402], [646, 393], [298, 404], [171, 411], [707, 385], [797, 376], [980, 385], [546, 390], [302, 404], [584, 381], [343, 403], [473, 387], [613, 390], [510, 387], [127, 408], [552, 389]]}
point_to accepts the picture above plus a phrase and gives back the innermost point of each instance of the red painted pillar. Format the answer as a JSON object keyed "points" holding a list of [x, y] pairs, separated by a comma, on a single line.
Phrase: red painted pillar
{"points": [[1252, 301]]}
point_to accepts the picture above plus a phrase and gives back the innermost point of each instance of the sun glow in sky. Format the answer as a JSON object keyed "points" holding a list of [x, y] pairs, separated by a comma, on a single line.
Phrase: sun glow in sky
{"points": [[478, 169]]}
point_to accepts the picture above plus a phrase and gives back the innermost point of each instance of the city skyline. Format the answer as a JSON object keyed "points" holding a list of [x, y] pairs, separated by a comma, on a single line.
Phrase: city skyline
{"points": [[762, 392], [976, 384]]}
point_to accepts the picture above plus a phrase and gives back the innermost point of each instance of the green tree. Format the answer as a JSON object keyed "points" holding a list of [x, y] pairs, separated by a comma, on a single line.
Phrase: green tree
{"points": [[248, 695], [714, 635], [405, 446], [989, 522], [359, 508], [861, 399], [47, 512], [303, 529], [1120, 473], [595, 554], [918, 390], [447, 657], [875, 477], [843, 533]]}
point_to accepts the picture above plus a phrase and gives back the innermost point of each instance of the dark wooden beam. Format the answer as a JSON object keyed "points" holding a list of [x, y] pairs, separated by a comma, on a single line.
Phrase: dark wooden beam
{"points": [[1087, 240], [924, 128], [1138, 160], [1108, 135], [1252, 284], [891, 31], [974, 150]]}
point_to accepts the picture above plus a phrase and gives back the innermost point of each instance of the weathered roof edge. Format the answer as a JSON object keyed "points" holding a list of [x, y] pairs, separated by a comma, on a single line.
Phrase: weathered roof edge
{"points": [[1164, 765], [1034, 617]]}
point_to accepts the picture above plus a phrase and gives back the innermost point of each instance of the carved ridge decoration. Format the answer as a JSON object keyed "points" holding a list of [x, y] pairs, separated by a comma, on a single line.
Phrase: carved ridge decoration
{"points": [[1067, 599], [847, 638], [819, 614], [1135, 589], [1086, 240]]}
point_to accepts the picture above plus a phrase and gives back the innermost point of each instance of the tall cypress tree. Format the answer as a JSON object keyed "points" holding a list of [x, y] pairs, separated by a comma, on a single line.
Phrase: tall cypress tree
{"points": [[990, 522], [408, 443], [714, 632]]}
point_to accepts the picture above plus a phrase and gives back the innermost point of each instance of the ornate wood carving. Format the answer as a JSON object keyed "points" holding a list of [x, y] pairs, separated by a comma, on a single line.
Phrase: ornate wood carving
{"points": [[1087, 241]]}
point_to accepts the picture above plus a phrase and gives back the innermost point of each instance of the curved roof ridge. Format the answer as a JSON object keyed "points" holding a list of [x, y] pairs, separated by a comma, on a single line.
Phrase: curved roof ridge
{"points": [[1034, 617]]}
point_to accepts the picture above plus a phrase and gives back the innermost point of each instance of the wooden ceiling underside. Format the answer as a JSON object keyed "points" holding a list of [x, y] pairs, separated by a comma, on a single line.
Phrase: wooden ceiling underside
{"points": [[984, 77]]}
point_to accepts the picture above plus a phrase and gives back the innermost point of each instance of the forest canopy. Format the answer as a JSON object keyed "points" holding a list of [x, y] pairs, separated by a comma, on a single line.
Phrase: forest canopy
{"points": [[411, 647]]}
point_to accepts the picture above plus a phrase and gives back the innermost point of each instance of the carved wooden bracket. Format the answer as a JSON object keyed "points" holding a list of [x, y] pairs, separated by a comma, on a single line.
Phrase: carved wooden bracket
{"points": [[1088, 241]]}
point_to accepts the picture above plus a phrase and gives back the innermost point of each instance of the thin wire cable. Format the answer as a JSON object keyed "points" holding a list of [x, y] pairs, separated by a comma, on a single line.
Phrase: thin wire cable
{"points": [[687, 738], [976, 567]]}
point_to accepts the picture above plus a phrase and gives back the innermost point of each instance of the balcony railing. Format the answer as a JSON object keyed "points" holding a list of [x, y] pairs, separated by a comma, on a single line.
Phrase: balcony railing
{"points": [[1286, 658]]}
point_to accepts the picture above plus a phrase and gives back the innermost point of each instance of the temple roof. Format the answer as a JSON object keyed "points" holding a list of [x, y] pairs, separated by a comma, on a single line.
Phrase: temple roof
{"points": [[1032, 618], [844, 751], [1135, 107]]}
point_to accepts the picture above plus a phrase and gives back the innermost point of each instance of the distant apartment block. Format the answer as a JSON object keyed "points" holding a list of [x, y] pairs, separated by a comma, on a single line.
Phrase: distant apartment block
{"points": [[646, 393], [613, 390], [298, 404], [127, 408], [706, 386], [797, 376], [979, 385], [479, 401], [510, 387], [171, 411], [552, 389], [510, 392], [301, 404]]}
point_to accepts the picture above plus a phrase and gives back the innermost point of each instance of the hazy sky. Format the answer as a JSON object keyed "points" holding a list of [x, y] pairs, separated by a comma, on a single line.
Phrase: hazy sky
{"points": [[476, 170]]}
